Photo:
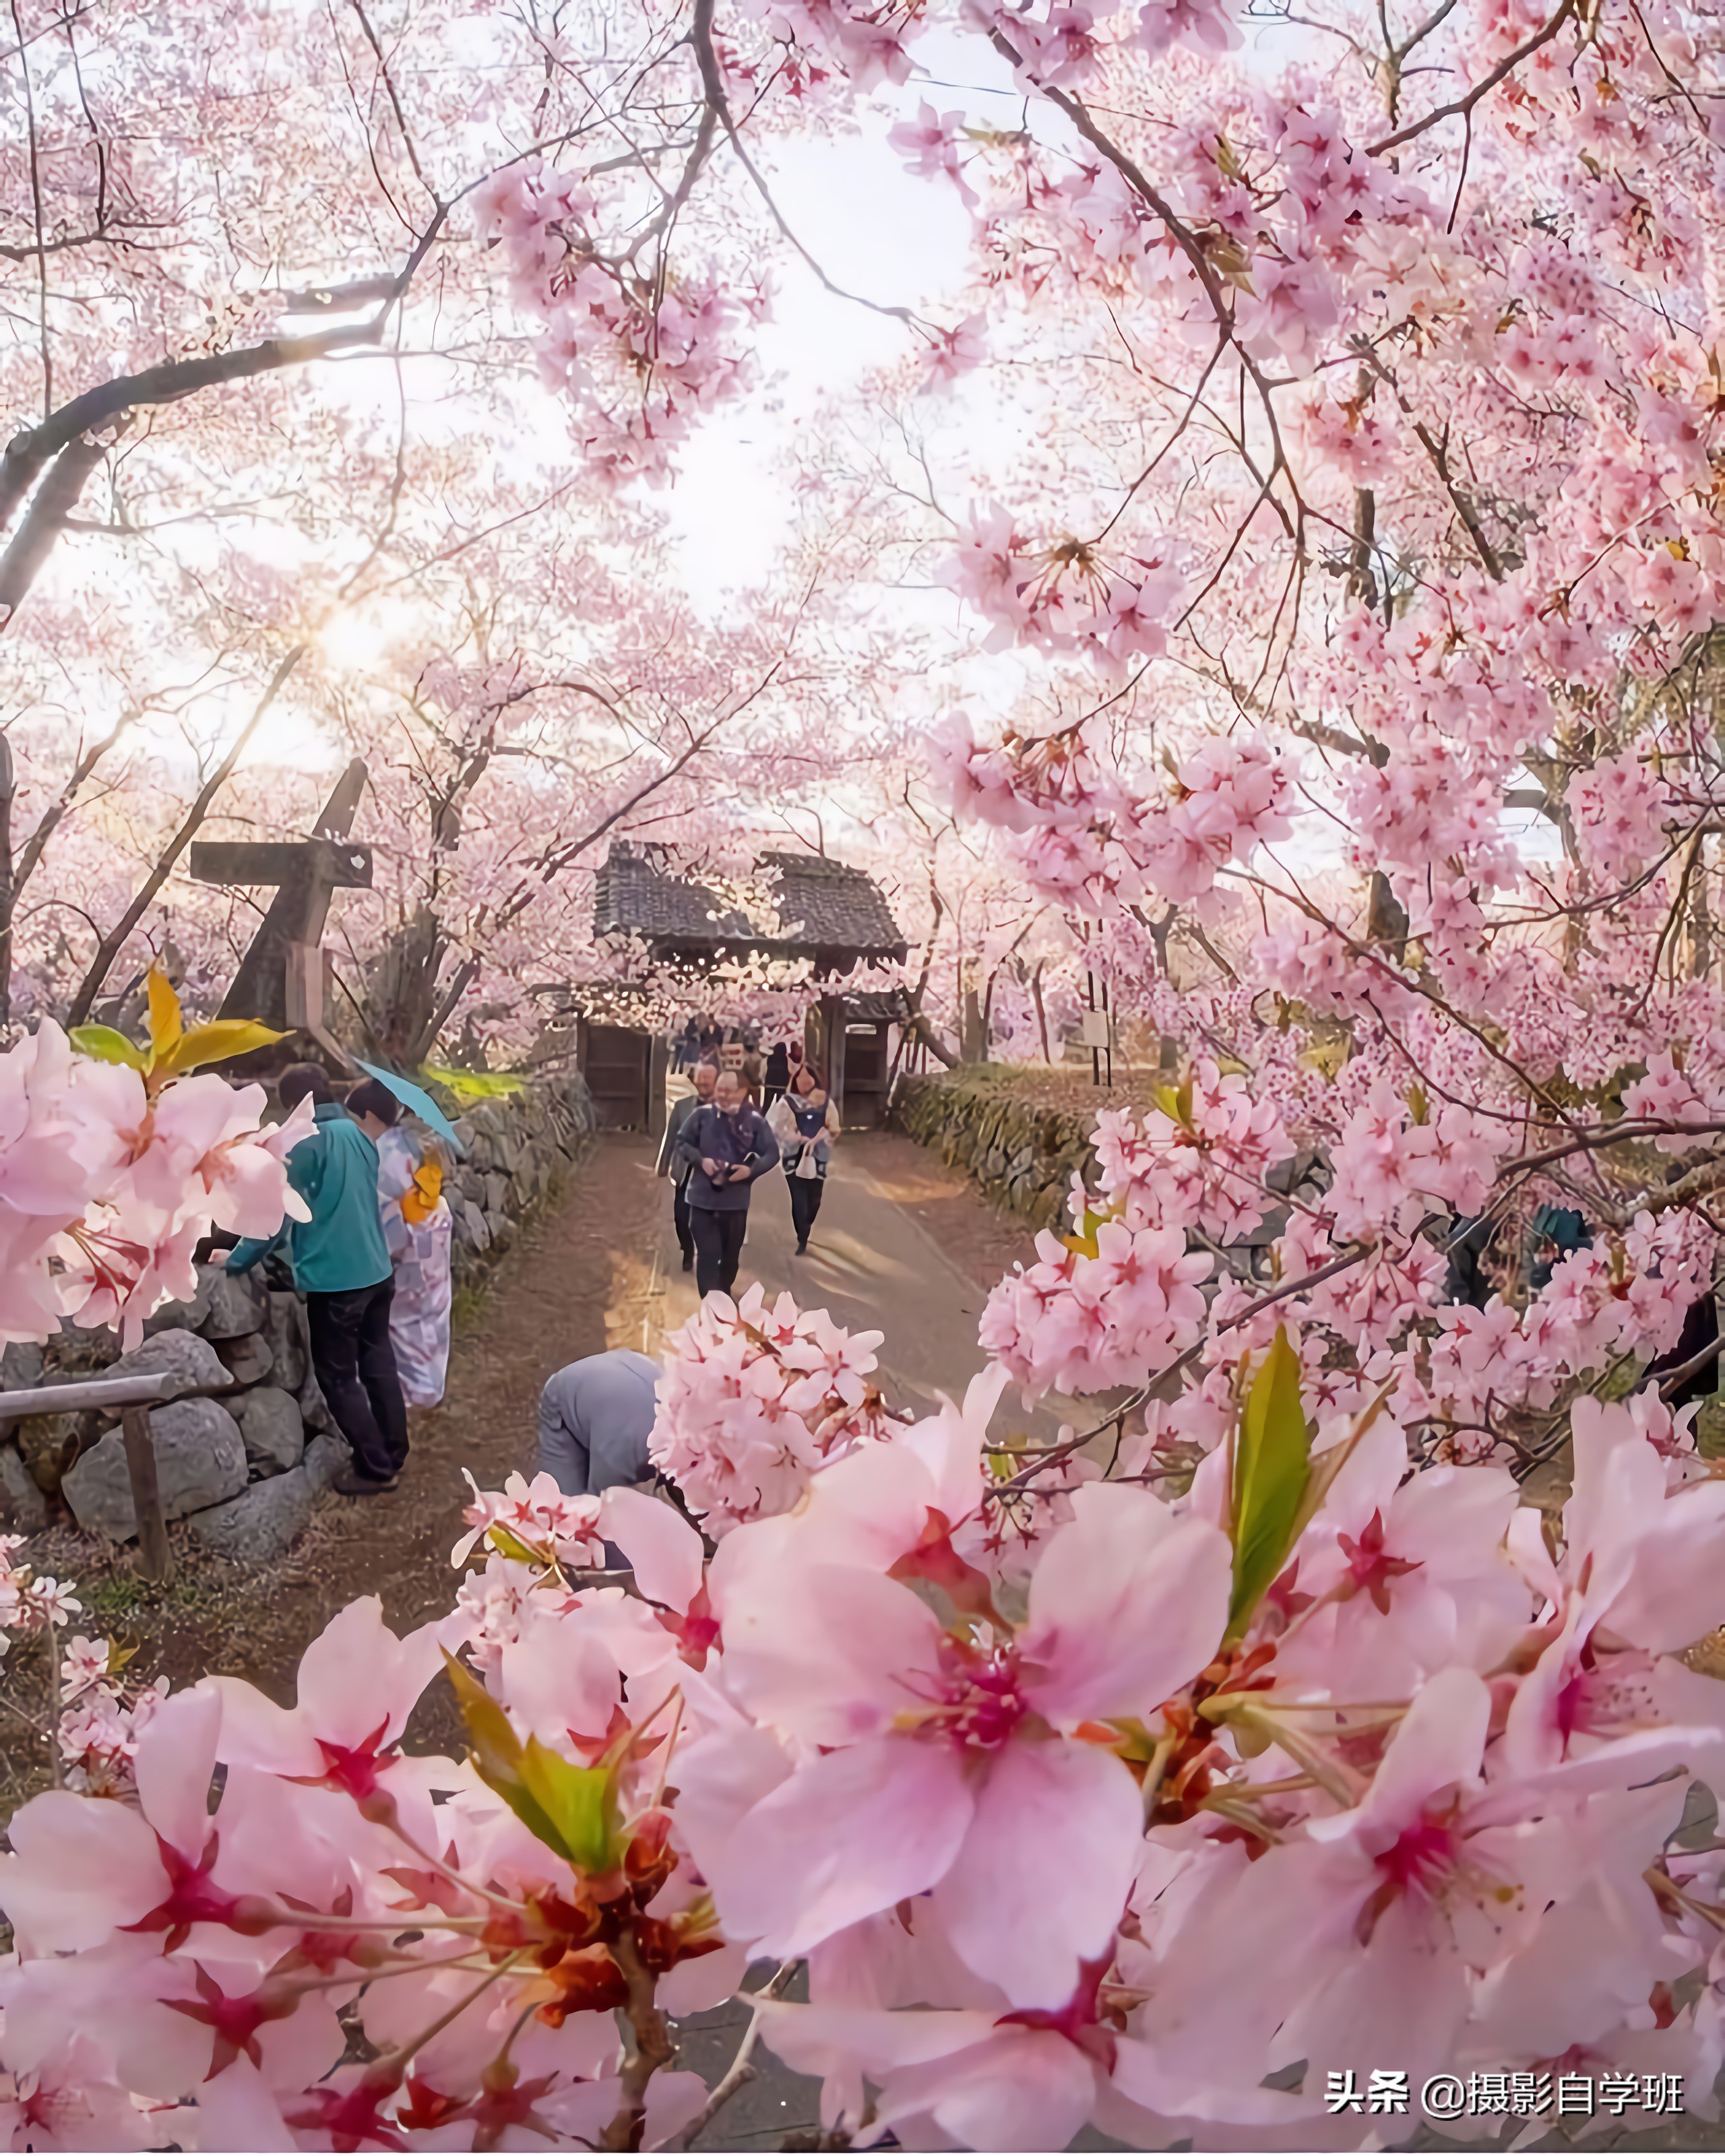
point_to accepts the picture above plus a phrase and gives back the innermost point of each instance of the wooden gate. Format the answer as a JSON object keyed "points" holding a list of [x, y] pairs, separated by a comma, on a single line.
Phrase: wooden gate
{"points": [[864, 1106], [617, 1062]]}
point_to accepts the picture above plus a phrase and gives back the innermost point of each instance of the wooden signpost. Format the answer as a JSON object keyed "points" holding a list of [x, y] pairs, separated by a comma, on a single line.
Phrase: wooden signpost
{"points": [[278, 982]]}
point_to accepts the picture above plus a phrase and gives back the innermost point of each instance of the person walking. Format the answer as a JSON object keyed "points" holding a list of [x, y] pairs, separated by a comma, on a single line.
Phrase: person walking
{"points": [[805, 1124], [754, 1070], [341, 1265], [595, 1417], [727, 1148], [706, 1077], [778, 1075], [686, 1049], [419, 1229]]}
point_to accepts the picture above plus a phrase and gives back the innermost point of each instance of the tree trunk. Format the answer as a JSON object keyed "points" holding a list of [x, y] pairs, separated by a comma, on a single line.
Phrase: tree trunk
{"points": [[973, 1031], [1041, 1012], [6, 885], [401, 990]]}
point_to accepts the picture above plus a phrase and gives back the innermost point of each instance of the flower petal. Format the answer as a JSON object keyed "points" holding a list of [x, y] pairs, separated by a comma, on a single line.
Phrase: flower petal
{"points": [[1127, 1603], [1045, 1869]]}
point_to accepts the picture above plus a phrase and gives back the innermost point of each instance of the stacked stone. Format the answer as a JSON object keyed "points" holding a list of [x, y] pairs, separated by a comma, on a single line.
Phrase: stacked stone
{"points": [[1025, 1157], [518, 1147], [244, 1463]]}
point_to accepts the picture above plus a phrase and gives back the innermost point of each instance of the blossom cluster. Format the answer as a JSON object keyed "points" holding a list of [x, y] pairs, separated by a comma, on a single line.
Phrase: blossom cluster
{"points": [[109, 1185], [756, 1396]]}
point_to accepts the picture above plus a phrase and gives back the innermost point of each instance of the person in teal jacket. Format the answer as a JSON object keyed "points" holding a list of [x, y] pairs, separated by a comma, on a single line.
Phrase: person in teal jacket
{"points": [[341, 1265]]}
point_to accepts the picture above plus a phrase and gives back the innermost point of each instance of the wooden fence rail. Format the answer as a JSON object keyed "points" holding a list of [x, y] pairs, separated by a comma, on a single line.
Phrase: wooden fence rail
{"points": [[134, 1397]]}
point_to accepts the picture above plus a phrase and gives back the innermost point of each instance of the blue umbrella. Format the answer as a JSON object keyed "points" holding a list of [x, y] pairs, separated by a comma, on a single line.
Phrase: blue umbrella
{"points": [[420, 1101]]}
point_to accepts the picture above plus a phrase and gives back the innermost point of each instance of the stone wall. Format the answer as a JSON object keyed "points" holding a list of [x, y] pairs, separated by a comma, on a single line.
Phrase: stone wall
{"points": [[1025, 1153], [1024, 1156], [244, 1468], [518, 1146]]}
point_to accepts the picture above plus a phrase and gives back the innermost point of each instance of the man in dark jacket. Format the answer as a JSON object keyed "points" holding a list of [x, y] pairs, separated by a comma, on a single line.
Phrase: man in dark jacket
{"points": [[727, 1147], [680, 1110], [341, 1265]]}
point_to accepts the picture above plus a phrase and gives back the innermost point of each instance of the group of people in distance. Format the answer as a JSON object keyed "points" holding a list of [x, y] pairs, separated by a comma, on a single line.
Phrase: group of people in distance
{"points": [[596, 1416], [718, 1144], [372, 1264]]}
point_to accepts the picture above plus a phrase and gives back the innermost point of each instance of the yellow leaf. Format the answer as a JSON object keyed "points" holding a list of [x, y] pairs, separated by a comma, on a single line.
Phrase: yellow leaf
{"points": [[165, 1027], [218, 1042], [106, 1045], [511, 1546]]}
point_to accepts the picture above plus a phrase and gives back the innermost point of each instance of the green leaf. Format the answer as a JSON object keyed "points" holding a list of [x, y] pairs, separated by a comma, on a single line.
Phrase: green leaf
{"points": [[580, 1803], [217, 1042], [1271, 1464], [497, 1754], [106, 1045]]}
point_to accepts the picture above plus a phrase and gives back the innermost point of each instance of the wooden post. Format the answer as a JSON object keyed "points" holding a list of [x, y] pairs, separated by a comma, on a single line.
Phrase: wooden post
{"points": [[154, 1560]]}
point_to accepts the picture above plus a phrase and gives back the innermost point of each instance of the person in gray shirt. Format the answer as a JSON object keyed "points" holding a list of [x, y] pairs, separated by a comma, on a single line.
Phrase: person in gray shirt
{"points": [[594, 1419]]}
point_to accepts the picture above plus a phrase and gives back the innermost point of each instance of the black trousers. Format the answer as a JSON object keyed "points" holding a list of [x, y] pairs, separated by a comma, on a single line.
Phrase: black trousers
{"points": [[355, 1365], [718, 1246], [680, 1215], [805, 1202]]}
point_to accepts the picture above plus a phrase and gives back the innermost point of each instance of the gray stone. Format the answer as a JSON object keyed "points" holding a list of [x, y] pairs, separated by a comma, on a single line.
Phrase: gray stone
{"points": [[21, 1367], [313, 1406], [84, 1349], [183, 1354], [238, 1304], [496, 1193], [273, 1428], [479, 1155], [325, 1457], [261, 1524], [182, 1317], [22, 1507], [473, 1221], [248, 1360], [48, 1445], [287, 1337], [502, 1231], [200, 1460]]}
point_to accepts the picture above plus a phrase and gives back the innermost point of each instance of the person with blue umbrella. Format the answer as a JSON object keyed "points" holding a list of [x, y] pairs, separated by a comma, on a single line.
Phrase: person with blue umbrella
{"points": [[341, 1263]]}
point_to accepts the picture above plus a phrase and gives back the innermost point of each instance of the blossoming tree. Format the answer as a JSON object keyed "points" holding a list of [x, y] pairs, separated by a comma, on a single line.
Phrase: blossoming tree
{"points": [[1181, 1776]]}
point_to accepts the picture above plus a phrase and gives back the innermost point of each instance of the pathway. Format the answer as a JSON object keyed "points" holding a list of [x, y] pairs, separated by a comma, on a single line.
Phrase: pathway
{"points": [[903, 1246]]}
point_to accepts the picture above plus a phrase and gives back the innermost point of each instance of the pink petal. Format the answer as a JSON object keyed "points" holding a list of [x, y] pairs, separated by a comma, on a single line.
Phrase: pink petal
{"points": [[659, 1543], [828, 1652], [1029, 2089], [357, 1676], [1045, 1869], [1676, 1591], [176, 1757], [1438, 1747], [849, 1833], [81, 1868], [1126, 1605]]}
